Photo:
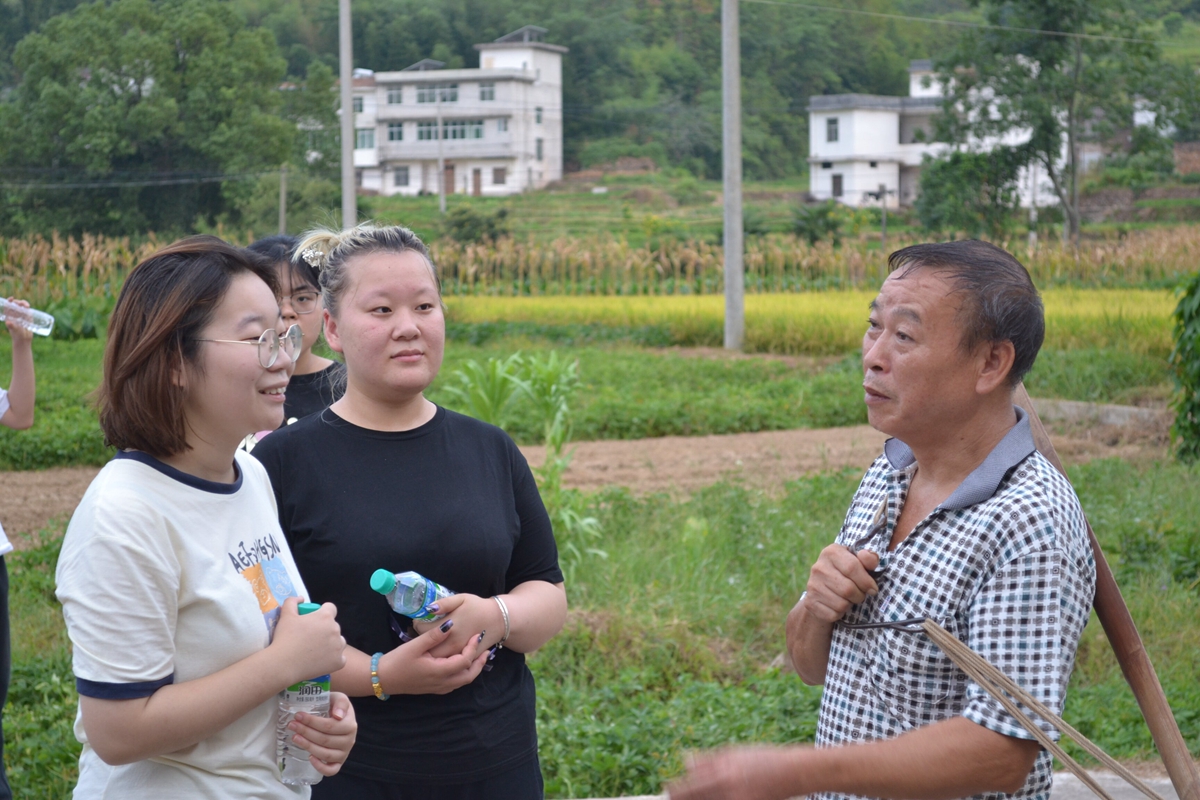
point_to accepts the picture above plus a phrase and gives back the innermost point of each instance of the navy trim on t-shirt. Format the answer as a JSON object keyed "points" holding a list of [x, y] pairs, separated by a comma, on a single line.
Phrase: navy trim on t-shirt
{"points": [[216, 487], [121, 691]]}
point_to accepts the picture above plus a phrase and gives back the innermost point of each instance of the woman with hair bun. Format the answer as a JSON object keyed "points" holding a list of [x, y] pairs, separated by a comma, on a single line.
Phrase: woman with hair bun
{"points": [[316, 381], [177, 586], [385, 479]]}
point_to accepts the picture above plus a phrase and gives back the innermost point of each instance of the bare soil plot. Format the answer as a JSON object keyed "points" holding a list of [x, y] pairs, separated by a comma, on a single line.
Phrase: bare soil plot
{"points": [[29, 501]]}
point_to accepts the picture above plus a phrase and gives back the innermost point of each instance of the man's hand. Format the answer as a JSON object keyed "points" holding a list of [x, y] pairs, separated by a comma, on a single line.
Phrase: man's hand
{"points": [[839, 580], [759, 772]]}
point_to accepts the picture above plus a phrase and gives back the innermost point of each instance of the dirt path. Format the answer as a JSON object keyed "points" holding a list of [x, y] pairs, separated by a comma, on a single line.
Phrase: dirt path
{"points": [[30, 501]]}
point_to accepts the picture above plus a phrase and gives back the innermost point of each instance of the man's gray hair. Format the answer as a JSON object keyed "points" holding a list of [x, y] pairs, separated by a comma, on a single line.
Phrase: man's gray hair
{"points": [[1001, 302]]}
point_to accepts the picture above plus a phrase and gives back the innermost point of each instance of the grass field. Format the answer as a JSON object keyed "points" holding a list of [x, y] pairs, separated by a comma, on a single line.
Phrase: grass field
{"points": [[671, 636], [631, 391]]}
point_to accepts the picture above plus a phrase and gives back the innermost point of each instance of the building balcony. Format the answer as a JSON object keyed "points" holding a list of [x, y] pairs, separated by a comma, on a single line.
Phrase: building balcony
{"points": [[426, 150]]}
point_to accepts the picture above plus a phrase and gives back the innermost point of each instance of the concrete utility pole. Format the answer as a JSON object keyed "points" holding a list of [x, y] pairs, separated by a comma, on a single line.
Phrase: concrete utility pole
{"points": [[283, 199], [731, 153], [346, 74]]}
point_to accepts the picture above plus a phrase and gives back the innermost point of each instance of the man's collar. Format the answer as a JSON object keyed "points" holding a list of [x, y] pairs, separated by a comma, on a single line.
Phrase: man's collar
{"points": [[983, 482]]}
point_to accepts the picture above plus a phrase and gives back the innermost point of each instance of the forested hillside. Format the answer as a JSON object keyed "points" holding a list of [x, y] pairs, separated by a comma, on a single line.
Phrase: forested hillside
{"points": [[646, 73]]}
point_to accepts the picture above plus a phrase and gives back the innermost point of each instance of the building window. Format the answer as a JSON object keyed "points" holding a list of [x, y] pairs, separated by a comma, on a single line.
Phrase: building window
{"points": [[837, 185], [537, 115], [487, 91], [539, 149], [433, 92], [395, 96], [475, 129], [454, 129], [357, 102], [395, 131], [358, 175], [826, 165], [874, 164], [426, 131], [364, 138], [499, 175], [400, 176], [831, 129], [502, 125]]}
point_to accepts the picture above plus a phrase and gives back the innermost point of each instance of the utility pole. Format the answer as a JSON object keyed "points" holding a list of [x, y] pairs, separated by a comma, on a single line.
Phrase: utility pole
{"points": [[883, 193], [283, 199], [441, 161], [346, 74], [731, 154], [1032, 207]]}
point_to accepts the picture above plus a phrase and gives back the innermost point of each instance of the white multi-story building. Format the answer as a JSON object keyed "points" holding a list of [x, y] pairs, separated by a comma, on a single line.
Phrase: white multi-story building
{"points": [[860, 142], [501, 125]]}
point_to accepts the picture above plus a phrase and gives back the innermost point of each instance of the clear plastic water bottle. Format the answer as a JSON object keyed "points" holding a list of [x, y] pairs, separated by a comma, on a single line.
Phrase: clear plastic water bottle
{"points": [[39, 322], [310, 696], [409, 593]]}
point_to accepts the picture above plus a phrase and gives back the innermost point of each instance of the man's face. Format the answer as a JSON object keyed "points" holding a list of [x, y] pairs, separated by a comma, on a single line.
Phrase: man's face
{"points": [[918, 380]]}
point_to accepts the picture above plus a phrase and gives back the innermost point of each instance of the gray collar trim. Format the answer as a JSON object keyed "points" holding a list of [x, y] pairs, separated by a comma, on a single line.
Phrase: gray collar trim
{"points": [[983, 482]]}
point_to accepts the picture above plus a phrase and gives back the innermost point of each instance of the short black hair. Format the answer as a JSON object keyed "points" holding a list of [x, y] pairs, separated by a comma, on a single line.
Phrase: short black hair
{"points": [[1002, 304], [280, 250]]}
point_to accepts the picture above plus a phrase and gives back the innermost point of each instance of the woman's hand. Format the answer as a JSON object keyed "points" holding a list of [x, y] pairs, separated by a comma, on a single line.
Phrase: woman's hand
{"points": [[472, 616], [308, 645], [327, 739], [413, 669], [19, 333]]}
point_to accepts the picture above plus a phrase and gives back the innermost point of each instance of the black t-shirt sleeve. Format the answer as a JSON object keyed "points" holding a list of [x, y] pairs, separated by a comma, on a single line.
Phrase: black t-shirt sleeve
{"points": [[535, 556], [270, 456]]}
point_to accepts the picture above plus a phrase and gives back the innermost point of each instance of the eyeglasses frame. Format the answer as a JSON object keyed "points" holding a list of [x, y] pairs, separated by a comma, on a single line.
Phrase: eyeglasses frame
{"points": [[293, 335]]}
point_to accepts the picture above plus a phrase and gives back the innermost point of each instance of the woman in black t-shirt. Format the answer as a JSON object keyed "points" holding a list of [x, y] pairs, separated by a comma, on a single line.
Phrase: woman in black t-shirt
{"points": [[386, 479], [316, 381]]}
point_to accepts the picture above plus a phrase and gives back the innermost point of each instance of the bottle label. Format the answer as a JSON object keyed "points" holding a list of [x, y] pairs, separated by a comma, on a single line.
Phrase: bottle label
{"points": [[307, 691]]}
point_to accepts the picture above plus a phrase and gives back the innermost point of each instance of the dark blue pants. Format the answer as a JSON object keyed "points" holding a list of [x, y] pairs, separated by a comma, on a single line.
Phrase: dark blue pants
{"points": [[523, 782]]}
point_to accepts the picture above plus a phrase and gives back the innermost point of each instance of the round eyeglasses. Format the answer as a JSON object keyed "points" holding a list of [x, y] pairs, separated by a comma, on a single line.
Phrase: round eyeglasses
{"points": [[302, 302], [270, 343]]}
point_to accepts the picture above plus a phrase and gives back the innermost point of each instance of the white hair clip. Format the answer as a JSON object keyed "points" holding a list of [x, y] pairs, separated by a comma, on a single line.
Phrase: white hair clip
{"points": [[313, 257]]}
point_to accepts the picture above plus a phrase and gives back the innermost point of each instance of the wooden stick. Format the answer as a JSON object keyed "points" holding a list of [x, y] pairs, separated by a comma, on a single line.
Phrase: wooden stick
{"points": [[1127, 644]]}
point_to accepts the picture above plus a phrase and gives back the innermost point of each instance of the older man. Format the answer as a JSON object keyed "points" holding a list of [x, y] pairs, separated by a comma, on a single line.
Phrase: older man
{"points": [[962, 521]]}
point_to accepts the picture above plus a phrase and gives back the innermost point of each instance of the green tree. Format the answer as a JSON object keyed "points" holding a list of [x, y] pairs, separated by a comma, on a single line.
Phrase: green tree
{"points": [[138, 93], [970, 193], [1060, 90]]}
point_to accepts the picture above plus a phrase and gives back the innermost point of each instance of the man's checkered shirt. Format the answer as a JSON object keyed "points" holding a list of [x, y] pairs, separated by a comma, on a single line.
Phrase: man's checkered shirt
{"points": [[1004, 564]]}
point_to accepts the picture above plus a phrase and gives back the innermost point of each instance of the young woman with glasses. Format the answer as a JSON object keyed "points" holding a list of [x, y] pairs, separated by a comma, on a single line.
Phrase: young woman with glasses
{"points": [[385, 479], [177, 585], [316, 381]]}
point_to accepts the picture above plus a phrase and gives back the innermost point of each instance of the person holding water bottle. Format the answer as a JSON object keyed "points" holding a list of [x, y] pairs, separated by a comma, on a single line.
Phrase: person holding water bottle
{"points": [[178, 588], [16, 412], [385, 480]]}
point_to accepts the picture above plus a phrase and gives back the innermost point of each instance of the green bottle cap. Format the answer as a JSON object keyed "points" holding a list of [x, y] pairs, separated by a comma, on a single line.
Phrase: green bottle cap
{"points": [[383, 581], [307, 608]]}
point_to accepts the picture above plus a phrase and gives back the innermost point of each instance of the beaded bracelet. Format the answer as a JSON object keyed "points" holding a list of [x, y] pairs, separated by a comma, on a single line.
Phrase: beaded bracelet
{"points": [[503, 613], [376, 686]]}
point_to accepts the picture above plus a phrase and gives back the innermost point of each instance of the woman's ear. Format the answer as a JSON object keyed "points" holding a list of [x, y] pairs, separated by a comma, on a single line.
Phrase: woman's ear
{"points": [[331, 331]]}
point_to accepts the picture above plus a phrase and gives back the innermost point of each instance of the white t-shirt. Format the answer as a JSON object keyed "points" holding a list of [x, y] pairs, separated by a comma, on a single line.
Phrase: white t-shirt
{"points": [[165, 578], [5, 545]]}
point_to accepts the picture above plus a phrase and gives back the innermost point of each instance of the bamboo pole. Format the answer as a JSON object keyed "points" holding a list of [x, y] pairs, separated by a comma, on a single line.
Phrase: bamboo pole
{"points": [[1127, 644]]}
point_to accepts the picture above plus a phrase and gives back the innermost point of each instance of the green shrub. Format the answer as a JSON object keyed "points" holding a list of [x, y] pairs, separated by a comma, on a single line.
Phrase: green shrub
{"points": [[818, 221], [1186, 360], [465, 223]]}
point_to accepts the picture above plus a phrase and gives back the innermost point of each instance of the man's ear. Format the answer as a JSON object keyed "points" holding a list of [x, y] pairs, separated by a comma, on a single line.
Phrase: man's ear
{"points": [[995, 364], [332, 338]]}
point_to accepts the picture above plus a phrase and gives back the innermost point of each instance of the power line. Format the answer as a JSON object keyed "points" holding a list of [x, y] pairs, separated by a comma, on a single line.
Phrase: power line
{"points": [[163, 181], [962, 24]]}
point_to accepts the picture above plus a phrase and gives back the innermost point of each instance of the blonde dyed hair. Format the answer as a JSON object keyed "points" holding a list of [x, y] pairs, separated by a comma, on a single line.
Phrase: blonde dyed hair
{"points": [[331, 250]]}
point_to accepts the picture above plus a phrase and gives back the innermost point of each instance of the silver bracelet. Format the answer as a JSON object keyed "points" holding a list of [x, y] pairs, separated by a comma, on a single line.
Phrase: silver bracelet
{"points": [[503, 613]]}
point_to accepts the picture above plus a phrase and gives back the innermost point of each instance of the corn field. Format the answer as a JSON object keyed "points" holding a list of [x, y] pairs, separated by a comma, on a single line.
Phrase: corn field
{"points": [[44, 270]]}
